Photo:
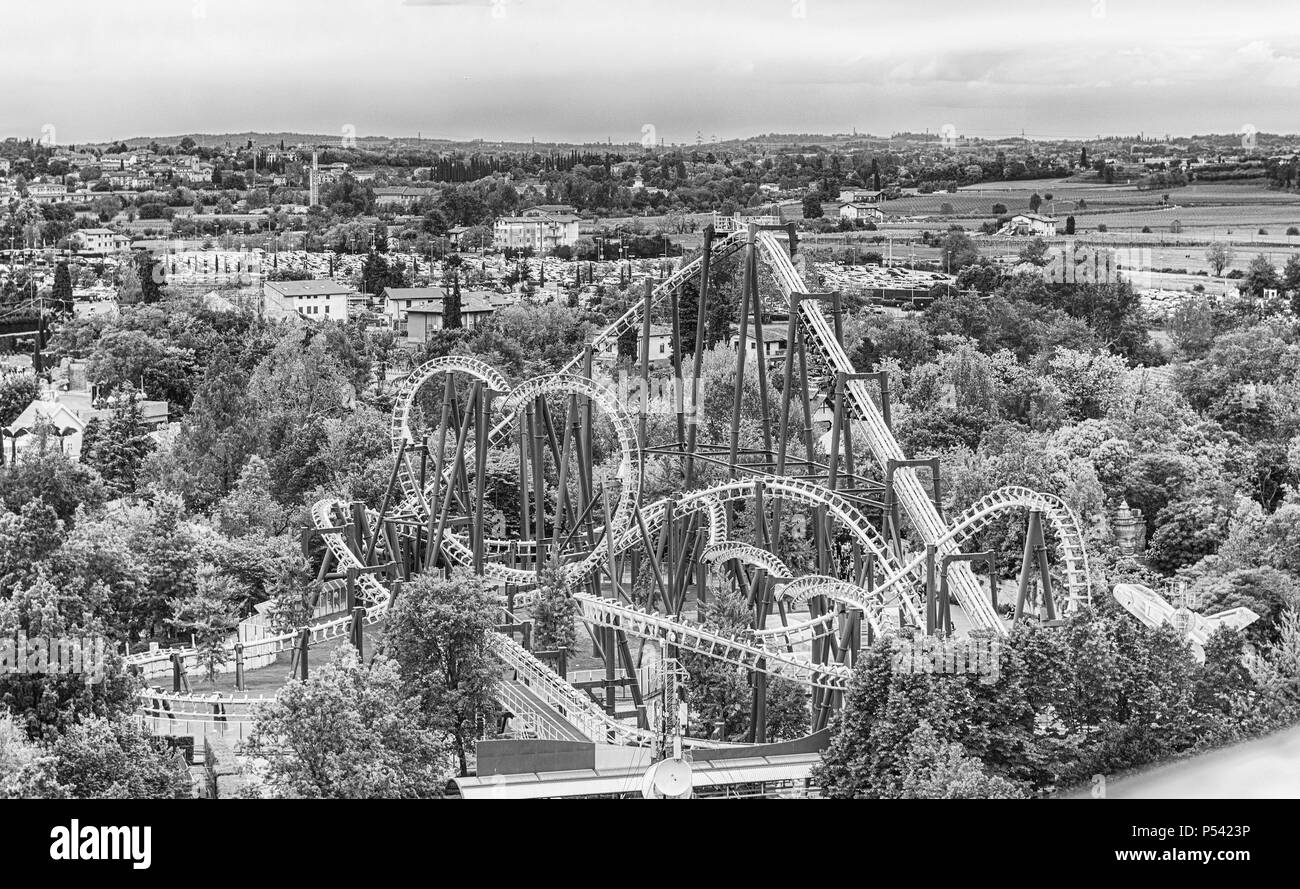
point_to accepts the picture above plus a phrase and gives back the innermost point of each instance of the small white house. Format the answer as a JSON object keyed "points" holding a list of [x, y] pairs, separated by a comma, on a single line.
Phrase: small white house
{"points": [[774, 340], [856, 211], [661, 346], [1032, 224]]}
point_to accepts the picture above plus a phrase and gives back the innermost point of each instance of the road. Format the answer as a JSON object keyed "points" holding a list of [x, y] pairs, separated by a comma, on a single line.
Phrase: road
{"points": [[1267, 768]]}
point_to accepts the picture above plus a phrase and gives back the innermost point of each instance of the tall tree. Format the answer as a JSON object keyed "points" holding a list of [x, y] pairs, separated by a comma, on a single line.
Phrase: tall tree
{"points": [[451, 308], [1261, 275], [149, 271], [345, 733], [437, 634], [218, 434], [97, 758], [118, 447], [207, 616], [1219, 256], [374, 274], [62, 293], [554, 614]]}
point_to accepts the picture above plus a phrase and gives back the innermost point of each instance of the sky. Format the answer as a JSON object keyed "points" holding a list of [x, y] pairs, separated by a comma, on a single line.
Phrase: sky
{"points": [[629, 70]]}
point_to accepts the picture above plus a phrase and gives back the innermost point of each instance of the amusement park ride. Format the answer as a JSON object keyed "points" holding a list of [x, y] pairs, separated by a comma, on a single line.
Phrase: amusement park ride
{"points": [[575, 518], [1152, 609]]}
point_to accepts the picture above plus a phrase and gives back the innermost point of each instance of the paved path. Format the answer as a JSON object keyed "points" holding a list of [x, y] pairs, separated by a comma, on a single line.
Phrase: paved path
{"points": [[560, 726], [1267, 768]]}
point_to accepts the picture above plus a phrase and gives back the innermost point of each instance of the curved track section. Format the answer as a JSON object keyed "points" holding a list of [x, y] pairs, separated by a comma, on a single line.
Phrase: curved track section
{"points": [[456, 546], [727, 550], [1069, 539]]}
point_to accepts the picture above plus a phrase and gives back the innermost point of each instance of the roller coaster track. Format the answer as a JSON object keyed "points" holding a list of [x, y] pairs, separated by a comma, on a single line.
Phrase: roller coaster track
{"points": [[976, 518], [632, 318], [728, 550], [701, 640], [574, 706], [911, 494], [767, 650], [824, 348]]}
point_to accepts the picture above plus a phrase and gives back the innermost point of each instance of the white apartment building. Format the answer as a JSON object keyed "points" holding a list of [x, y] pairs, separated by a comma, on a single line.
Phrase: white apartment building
{"points": [[47, 192], [320, 300], [541, 231]]}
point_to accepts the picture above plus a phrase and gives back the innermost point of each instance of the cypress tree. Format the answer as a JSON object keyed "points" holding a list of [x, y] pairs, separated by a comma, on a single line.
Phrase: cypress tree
{"points": [[451, 315], [63, 287]]}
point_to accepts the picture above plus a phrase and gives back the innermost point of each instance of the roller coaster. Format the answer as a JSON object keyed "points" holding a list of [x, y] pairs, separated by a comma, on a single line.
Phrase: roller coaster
{"points": [[574, 519]]}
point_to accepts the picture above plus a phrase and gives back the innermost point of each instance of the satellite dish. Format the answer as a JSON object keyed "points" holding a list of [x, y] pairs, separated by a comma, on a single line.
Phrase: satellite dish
{"points": [[667, 779]]}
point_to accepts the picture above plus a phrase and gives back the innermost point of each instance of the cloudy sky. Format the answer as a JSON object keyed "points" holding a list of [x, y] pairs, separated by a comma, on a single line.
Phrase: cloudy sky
{"points": [[597, 69]]}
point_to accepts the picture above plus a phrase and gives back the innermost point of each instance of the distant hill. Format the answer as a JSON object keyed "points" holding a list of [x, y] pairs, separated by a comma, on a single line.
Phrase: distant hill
{"points": [[371, 142], [262, 139]]}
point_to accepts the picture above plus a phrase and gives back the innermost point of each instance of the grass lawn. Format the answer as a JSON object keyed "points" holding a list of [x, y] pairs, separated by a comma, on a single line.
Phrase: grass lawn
{"points": [[271, 678]]}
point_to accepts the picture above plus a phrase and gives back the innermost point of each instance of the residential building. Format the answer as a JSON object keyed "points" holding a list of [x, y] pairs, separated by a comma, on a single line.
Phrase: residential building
{"points": [[47, 192], [454, 234], [661, 346], [400, 196], [65, 414], [536, 229], [1032, 224], [858, 211], [129, 178], [861, 196], [101, 241], [744, 218], [75, 159], [475, 305], [774, 340], [202, 173], [319, 300], [417, 311], [553, 210]]}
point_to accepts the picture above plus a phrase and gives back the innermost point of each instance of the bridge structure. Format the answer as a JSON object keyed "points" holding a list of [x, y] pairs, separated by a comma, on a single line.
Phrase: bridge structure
{"points": [[542, 486]]}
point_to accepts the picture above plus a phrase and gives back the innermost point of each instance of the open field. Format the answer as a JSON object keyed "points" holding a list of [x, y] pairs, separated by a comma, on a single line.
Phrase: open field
{"points": [[1232, 212]]}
